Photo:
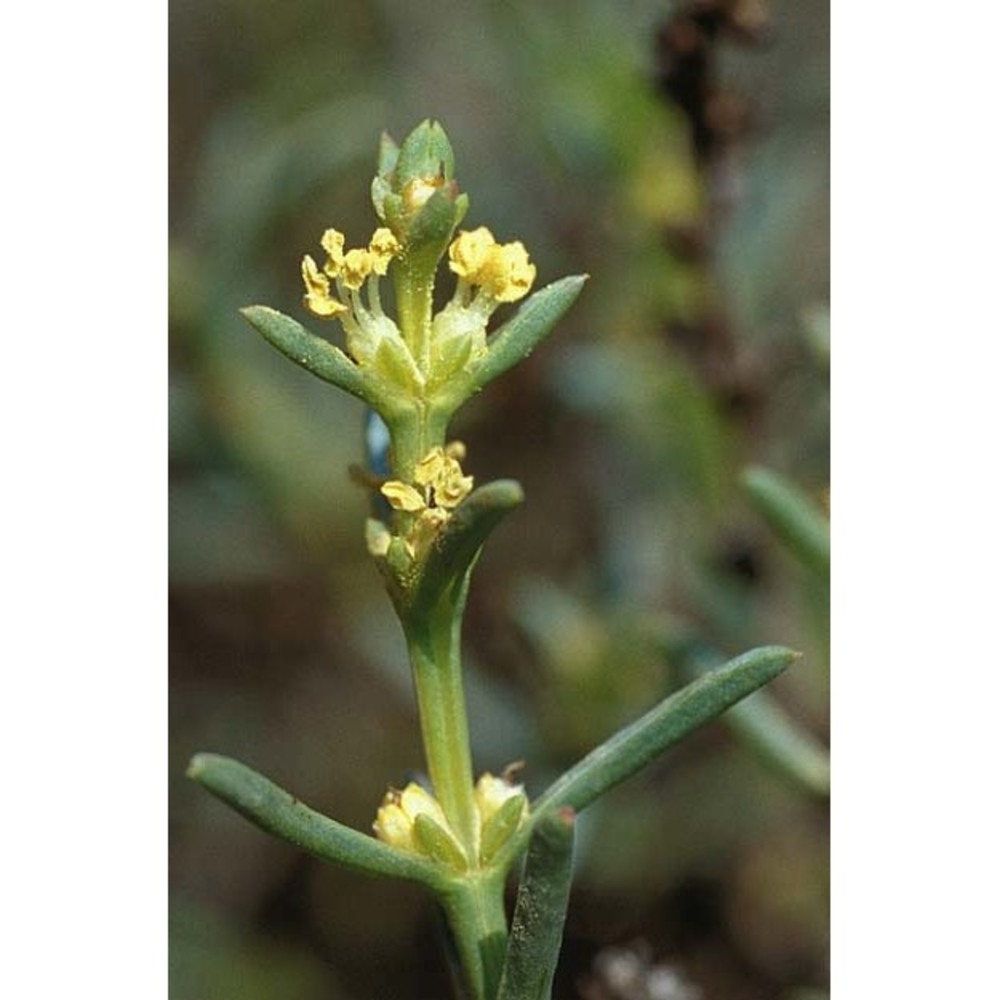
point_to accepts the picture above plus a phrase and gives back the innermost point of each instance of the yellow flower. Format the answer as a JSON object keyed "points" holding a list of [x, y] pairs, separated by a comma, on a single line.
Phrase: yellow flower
{"points": [[468, 252], [438, 487], [502, 807], [503, 271], [507, 274], [442, 473], [396, 823], [403, 497], [491, 793], [440, 480], [318, 299]]}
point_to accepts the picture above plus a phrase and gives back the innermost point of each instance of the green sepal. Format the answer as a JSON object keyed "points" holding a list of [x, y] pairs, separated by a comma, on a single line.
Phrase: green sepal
{"points": [[437, 218], [500, 827], [382, 190], [279, 813], [426, 153], [393, 361], [319, 356], [438, 844], [388, 154], [520, 335], [398, 560], [450, 356], [389, 207], [426, 234], [792, 516], [454, 551], [540, 912]]}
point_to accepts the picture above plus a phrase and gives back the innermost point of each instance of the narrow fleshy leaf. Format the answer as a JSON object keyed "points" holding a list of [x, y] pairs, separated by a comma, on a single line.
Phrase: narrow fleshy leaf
{"points": [[520, 335], [758, 720], [792, 516], [279, 813], [316, 355], [540, 913], [456, 549], [635, 746]]}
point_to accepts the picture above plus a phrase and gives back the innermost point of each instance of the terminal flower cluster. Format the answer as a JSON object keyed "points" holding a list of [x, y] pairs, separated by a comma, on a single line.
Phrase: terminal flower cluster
{"points": [[488, 274]]}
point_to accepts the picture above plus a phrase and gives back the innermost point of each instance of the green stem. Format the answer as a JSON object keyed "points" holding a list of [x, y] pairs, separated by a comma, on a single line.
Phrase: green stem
{"points": [[434, 645], [414, 432], [414, 309], [475, 910]]}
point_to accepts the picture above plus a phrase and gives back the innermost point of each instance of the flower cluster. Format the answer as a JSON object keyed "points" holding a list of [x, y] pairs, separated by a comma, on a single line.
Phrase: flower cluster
{"points": [[502, 272], [488, 274], [438, 487], [413, 820], [366, 325]]}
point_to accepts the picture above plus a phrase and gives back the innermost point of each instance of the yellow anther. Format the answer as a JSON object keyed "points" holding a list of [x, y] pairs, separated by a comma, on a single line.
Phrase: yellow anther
{"points": [[318, 299], [402, 496], [382, 247], [453, 488], [333, 243], [507, 274], [442, 473], [469, 251], [357, 267], [429, 468]]}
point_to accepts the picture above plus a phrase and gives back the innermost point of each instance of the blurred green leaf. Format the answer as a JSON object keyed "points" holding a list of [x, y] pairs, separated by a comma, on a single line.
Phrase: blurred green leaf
{"points": [[632, 748], [792, 517]]}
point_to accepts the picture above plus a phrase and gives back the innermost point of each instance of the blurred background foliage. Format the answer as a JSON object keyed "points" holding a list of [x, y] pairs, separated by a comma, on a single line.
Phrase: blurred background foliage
{"points": [[678, 152]]}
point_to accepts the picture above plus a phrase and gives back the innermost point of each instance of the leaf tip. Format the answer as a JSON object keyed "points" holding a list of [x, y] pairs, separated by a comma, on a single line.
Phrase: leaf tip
{"points": [[196, 768], [253, 314]]}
